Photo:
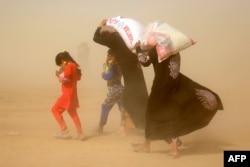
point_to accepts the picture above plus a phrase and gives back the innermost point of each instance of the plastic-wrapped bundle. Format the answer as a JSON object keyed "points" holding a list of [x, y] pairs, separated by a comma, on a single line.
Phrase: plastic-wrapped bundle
{"points": [[167, 39]]}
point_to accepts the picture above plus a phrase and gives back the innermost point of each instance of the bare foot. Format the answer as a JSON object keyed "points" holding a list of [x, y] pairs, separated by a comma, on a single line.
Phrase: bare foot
{"points": [[174, 151], [122, 131]]}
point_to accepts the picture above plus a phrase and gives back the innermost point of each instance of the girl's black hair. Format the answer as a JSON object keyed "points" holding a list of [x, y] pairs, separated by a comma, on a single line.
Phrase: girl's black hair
{"points": [[65, 56]]}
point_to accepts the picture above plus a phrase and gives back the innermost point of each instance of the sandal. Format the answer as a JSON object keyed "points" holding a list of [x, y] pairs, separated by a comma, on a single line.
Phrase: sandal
{"points": [[63, 135], [140, 147]]}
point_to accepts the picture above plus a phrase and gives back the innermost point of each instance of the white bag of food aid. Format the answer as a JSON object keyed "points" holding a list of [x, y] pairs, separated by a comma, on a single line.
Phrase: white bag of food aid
{"points": [[129, 29]]}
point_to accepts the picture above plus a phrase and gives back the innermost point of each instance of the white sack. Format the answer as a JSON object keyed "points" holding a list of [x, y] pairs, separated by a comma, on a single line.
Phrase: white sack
{"points": [[129, 29], [167, 39]]}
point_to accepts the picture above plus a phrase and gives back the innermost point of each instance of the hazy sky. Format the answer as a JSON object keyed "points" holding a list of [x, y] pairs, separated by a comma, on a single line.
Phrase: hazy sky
{"points": [[32, 32]]}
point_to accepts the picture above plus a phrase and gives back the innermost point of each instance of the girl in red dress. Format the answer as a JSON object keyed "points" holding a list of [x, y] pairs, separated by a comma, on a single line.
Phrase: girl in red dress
{"points": [[68, 75]]}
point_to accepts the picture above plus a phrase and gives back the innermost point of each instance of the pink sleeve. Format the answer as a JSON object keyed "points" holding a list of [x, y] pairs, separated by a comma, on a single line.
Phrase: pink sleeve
{"points": [[62, 77]]}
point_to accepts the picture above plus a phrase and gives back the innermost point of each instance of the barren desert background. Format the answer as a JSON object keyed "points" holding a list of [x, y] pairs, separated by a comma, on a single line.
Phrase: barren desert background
{"points": [[32, 32]]}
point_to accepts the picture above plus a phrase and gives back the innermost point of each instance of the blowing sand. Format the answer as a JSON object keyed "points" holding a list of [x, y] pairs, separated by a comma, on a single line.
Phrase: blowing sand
{"points": [[27, 127]]}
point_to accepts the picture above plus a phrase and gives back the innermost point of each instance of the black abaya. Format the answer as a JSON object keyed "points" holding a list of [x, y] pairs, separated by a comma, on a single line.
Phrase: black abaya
{"points": [[176, 105], [135, 94]]}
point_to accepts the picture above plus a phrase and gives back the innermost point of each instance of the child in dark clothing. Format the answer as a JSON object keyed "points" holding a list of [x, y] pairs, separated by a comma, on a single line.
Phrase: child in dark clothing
{"points": [[112, 74]]}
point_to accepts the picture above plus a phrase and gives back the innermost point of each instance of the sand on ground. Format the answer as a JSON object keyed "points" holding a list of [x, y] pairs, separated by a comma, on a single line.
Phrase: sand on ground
{"points": [[27, 127]]}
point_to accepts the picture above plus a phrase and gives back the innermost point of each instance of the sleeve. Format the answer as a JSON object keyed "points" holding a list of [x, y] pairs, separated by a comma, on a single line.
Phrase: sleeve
{"points": [[174, 65], [100, 39], [110, 40], [110, 73], [68, 70], [97, 36], [143, 58]]}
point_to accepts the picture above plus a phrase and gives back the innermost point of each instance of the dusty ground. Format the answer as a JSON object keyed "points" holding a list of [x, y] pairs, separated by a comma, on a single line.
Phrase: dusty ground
{"points": [[27, 128]]}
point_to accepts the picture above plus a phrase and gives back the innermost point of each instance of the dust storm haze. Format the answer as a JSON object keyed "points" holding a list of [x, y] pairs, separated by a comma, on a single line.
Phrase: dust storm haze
{"points": [[32, 32]]}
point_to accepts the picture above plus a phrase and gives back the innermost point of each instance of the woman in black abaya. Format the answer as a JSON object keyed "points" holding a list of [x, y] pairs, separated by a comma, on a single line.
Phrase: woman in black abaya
{"points": [[135, 94], [177, 105]]}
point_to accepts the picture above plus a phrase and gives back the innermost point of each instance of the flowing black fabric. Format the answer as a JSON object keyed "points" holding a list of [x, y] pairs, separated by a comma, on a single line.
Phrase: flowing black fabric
{"points": [[135, 93], [177, 105]]}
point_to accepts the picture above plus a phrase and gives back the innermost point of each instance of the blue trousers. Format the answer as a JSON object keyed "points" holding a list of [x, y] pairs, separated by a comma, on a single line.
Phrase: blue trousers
{"points": [[113, 97]]}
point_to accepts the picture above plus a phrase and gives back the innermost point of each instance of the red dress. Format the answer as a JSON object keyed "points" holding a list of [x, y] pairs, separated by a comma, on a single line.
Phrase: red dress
{"points": [[69, 99]]}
